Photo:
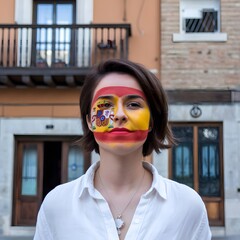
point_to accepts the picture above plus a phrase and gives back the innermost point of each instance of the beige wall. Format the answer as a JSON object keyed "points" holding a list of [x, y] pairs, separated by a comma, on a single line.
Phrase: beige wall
{"points": [[7, 9], [39, 103], [143, 15], [195, 65]]}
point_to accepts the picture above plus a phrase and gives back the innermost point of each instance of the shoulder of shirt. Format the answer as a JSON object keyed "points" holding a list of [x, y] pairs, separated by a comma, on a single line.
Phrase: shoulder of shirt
{"points": [[176, 192], [71, 190], [184, 195], [63, 191]]}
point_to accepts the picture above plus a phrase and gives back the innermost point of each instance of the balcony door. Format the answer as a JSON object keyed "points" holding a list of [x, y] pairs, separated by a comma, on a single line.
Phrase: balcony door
{"points": [[53, 44], [41, 165]]}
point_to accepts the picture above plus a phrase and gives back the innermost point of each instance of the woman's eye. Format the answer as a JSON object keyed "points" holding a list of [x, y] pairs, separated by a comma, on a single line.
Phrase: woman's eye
{"points": [[104, 104], [107, 105], [134, 105]]}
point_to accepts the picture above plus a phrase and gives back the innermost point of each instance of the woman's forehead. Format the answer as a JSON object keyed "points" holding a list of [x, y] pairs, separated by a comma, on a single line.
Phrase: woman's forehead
{"points": [[119, 91], [117, 80]]}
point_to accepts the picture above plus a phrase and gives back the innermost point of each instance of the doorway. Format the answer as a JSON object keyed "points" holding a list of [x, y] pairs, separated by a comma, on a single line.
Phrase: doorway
{"points": [[40, 165], [51, 166]]}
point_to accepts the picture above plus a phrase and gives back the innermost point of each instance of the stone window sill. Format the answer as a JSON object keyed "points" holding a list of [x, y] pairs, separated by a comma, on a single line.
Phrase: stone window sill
{"points": [[199, 37]]}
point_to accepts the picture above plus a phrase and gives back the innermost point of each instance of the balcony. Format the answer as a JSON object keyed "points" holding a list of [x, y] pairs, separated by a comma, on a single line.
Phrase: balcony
{"points": [[57, 55]]}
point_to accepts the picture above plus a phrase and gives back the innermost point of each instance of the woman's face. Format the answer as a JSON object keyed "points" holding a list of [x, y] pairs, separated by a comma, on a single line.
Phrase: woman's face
{"points": [[120, 115]]}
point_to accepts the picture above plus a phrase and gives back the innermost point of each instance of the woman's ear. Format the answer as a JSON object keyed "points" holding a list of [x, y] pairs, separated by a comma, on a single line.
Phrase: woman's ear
{"points": [[88, 120]]}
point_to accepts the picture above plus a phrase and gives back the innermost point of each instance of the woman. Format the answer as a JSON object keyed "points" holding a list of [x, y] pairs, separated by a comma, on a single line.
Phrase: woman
{"points": [[125, 117]]}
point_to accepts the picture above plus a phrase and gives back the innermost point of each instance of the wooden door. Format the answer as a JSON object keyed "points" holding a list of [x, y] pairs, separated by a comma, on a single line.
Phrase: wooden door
{"points": [[41, 164], [28, 183], [197, 161]]}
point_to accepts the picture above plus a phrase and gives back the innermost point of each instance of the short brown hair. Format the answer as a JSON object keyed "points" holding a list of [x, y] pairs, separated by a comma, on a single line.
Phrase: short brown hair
{"points": [[160, 137]]}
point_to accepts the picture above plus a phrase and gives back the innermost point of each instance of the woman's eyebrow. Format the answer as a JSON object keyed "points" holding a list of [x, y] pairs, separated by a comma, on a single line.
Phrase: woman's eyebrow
{"points": [[118, 91], [110, 97], [133, 96], [126, 97]]}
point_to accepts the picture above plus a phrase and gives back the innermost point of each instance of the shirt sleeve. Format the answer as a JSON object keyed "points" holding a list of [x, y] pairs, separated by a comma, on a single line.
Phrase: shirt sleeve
{"points": [[42, 228], [203, 232]]}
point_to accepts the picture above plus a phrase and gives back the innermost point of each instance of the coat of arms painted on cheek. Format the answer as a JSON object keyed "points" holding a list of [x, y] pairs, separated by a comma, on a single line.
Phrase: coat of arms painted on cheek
{"points": [[102, 116]]}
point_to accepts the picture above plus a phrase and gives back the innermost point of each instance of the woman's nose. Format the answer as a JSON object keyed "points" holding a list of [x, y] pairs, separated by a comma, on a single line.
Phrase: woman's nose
{"points": [[120, 115]]}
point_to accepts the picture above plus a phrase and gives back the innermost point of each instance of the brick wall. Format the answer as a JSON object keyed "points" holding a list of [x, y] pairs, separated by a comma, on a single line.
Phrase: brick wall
{"points": [[200, 65]]}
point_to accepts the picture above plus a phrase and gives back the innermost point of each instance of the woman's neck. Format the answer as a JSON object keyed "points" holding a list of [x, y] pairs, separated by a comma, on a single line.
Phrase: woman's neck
{"points": [[121, 171], [122, 179]]}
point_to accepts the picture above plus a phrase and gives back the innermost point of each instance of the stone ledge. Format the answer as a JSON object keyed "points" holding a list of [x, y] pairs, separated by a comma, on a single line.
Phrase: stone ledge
{"points": [[199, 37]]}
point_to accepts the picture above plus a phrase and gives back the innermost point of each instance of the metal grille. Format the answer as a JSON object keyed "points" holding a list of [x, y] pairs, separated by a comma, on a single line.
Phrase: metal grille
{"points": [[208, 22]]}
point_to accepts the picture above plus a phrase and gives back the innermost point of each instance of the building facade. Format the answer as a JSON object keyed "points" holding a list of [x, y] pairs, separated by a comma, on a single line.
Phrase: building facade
{"points": [[48, 47], [200, 63]]}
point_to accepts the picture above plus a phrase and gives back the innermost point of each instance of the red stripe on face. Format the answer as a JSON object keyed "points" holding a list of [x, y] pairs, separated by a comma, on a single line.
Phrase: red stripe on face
{"points": [[118, 91], [133, 136]]}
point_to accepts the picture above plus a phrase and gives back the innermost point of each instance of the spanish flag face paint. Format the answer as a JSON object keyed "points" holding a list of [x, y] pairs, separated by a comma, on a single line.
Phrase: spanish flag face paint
{"points": [[120, 114]]}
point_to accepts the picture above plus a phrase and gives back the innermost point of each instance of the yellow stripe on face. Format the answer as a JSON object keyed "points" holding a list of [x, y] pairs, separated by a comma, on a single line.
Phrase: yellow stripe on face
{"points": [[138, 119]]}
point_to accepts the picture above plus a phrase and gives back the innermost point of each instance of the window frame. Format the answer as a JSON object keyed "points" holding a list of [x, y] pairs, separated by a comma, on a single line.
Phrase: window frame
{"points": [[55, 60], [183, 36]]}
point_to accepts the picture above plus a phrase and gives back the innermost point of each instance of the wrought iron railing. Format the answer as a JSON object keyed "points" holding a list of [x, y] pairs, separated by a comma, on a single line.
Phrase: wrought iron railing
{"points": [[77, 45]]}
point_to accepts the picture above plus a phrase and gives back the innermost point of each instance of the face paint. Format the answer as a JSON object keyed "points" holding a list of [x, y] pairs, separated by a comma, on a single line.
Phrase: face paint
{"points": [[102, 116], [105, 106], [118, 91], [121, 136]]}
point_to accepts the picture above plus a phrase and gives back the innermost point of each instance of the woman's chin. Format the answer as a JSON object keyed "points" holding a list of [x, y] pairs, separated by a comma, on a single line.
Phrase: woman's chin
{"points": [[121, 148]]}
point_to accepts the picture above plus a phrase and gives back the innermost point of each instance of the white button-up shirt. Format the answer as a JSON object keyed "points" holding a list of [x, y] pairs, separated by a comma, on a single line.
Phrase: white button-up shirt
{"points": [[167, 211]]}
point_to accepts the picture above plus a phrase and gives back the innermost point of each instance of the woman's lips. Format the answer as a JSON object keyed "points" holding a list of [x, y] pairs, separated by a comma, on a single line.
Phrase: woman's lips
{"points": [[121, 135], [120, 130]]}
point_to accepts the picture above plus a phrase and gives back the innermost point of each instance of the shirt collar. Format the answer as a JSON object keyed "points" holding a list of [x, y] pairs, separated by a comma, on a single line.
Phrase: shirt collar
{"points": [[87, 181], [158, 183]]}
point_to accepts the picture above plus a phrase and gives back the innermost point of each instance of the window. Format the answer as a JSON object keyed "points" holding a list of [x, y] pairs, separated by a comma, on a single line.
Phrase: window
{"points": [[29, 170], [183, 156], [197, 162], [53, 44], [207, 23], [200, 21], [209, 162], [76, 163], [81, 12]]}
